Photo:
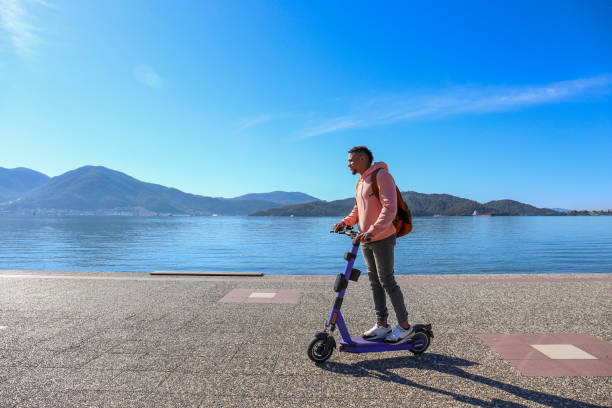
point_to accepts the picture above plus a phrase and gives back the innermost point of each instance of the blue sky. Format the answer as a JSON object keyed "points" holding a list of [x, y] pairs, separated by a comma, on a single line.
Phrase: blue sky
{"points": [[223, 98]]}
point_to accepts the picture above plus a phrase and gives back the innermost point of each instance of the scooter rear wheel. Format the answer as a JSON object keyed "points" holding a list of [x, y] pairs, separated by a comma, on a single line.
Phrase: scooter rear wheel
{"points": [[320, 350], [421, 347]]}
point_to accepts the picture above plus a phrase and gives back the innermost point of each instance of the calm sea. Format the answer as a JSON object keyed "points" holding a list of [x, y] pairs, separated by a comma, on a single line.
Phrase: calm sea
{"points": [[444, 245]]}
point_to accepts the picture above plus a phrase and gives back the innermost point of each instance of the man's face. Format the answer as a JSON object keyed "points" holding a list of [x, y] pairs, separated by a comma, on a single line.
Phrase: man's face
{"points": [[357, 162]]}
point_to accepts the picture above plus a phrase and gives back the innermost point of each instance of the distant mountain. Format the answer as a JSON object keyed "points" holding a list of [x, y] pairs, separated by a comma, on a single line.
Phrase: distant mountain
{"points": [[511, 207], [562, 210], [15, 182], [312, 209], [420, 205], [280, 197], [101, 190]]}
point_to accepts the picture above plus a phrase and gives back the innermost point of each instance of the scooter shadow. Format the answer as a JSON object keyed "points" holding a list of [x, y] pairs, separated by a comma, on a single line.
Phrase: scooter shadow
{"points": [[381, 369]]}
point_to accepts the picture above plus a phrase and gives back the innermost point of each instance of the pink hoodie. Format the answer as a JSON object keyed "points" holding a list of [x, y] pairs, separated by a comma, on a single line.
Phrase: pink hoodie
{"points": [[375, 216]]}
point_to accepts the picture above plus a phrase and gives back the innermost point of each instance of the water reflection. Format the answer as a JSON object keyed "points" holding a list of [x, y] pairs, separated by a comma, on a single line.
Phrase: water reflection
{"points": [[302, 245]]}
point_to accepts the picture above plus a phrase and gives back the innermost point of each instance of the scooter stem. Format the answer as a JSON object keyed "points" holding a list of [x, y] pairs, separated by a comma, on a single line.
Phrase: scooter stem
{"points": [[335, 318]]}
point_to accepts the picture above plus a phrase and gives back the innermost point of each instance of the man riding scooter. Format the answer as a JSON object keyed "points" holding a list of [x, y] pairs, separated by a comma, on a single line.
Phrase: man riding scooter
{"points": [[377, 234]]}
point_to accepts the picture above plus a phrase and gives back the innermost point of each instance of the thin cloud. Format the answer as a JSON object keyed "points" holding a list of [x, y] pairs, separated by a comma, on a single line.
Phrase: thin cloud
{"points": [[15, 22], [456, 101], [249, 122]]}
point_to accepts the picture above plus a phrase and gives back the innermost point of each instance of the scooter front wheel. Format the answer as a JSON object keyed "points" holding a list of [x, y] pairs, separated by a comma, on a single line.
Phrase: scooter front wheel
{"points": [[320, 350]]}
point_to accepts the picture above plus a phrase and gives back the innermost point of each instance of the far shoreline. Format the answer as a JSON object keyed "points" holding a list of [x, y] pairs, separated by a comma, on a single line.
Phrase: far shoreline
{"points": [[585, 213]]}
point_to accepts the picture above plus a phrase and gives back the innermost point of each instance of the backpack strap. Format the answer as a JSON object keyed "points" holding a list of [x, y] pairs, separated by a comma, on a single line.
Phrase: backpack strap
{"points": [[374, 182]]}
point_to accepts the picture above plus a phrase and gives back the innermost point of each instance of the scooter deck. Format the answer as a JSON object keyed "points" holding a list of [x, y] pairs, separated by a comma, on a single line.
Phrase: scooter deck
{"points": [[362, 345]]}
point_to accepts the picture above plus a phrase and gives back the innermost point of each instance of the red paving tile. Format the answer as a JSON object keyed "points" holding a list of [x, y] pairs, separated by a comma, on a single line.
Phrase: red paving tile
{"points": [[244, 296], [519, 351], [516, 348], [603, 351]]}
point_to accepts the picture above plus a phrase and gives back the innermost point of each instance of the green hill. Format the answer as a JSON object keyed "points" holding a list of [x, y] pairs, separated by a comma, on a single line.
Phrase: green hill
{"points": [[420, 205], [280, 197], [15, 182], [101, 190]]}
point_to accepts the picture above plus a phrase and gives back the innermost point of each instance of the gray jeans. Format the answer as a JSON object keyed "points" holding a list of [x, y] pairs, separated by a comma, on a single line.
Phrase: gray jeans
{"points": [[378, 256]]}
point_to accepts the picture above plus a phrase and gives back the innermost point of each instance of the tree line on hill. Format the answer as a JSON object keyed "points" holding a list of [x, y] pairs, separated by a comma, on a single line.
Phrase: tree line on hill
{"points": [[99, 190], [420, 205]]}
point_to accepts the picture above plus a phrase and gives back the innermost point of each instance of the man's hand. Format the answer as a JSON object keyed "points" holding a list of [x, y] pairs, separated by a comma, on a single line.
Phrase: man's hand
{"points": [[363, 237], [338, 226]]}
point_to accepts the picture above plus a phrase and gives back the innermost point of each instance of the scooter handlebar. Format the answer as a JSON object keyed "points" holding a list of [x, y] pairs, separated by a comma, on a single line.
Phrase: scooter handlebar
{"points": [[347, 230]]}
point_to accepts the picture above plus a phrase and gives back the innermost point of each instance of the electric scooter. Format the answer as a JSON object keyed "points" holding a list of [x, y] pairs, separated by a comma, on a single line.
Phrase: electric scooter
{"points": [[323, 345]]}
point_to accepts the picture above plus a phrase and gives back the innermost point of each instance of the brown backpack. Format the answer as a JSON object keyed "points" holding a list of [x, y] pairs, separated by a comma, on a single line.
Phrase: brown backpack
{"points": [[403, 218]]}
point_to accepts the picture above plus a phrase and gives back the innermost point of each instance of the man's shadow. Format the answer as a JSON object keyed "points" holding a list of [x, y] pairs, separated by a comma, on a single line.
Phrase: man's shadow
{"points": [[447, 365]]}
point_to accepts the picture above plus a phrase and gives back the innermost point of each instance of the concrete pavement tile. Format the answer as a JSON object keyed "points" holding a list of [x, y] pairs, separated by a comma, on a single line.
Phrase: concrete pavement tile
{"points": [[21, 358], [89, 380], [595, 390], [264, 336], [15, 343], [263, 402], [350, 366], [37, 379], [120, 334], [61, 343], [99, 344], [393, 390], [133, 346], [158, 362], [74, 331], [479, 390], [224, 384], [174, 347], [253, 351], [251, 366], [111, 361], [289, 365], [8, 373], [403, 401], [404, 366], [365, 385], [217, 350], [67, 359], [11, 395], [300, 339], [222, 339], [296, 386], [170, 400], [69, 399], [199, 364], [560, 391], [113, 399], [247, 385], [77, 399], [53, 379], [138, 381], [165, 326], [184, 383], [40, 399], [43, 333]]}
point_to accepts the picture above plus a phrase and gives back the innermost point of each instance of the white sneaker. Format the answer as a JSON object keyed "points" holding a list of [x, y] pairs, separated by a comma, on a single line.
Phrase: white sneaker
{"points": [[377, 332], [399, 335]]}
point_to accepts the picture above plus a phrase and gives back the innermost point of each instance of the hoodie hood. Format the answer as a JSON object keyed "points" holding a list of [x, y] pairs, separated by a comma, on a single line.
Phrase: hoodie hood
{"points": [[375, 214], [373, 167]]}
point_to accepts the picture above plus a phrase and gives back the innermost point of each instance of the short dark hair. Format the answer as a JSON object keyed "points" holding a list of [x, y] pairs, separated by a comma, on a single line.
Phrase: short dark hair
{"points": [[363, 150]]}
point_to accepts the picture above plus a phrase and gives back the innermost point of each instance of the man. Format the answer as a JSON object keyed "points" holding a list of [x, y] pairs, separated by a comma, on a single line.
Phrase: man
{"points": [[377, 235]]}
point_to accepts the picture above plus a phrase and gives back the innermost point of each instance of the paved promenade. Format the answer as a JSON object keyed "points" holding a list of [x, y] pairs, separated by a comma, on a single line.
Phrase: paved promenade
{"points": [[74, 339]]}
